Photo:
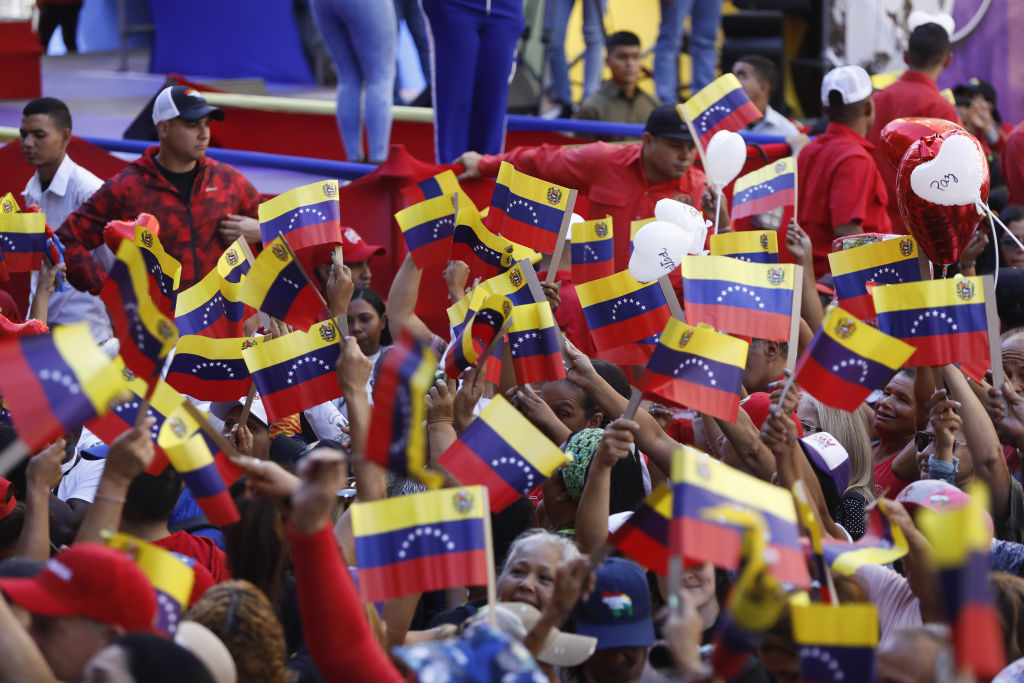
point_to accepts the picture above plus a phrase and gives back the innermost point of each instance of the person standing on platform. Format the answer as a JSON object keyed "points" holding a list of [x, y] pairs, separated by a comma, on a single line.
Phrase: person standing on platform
{"points": [[472, 46], [705, 17], [59, 13], [619, 99], [362, 37], [556, 20]]}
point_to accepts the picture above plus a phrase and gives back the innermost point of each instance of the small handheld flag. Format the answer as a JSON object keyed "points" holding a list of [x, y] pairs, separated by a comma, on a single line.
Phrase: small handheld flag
{"points": [[172, 578], [882, 543], [486, 254], [752, 299], [8, 204], [23, 239], [54, 383], [836, 643], [211, 369], [422, 542], [443, 183], [296, 371], [885, 263], [644, 537], [698, 368], [146, 335], [428, 228], [944, 320], [277, 285], [503, 451], [309, 217], [529, 210], [848, 359], [619, 311], [720, 105], [760, 246], [535, 344], [767, 188], [399, 440], [212, 307], [164, 270], [592, 250], [474, 338]]}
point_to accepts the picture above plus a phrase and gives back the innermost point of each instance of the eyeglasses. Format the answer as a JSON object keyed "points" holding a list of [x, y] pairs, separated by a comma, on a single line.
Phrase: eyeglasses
{"points": [[809, 428]]}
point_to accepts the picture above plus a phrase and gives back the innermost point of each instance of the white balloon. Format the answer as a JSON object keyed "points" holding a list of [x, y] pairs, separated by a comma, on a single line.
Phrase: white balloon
{"points": [[954, 176], [686, 217], [658, 249], [726, 154]]}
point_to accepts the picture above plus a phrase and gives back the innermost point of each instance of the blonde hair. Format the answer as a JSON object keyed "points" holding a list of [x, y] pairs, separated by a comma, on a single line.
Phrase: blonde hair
{"points": [[852, 430]]}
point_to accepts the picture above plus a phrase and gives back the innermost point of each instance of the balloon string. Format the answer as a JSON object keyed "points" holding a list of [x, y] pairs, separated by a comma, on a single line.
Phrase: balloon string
{"points": [[992, 216]]}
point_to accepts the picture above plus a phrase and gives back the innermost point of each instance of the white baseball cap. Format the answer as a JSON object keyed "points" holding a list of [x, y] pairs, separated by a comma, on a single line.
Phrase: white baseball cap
{"points": [[851, 82]]}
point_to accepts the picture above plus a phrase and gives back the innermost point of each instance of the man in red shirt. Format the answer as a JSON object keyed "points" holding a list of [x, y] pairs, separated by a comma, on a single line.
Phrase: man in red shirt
{"points": [[623, 181], [841, 192], [913, 94], [1013, 164]]}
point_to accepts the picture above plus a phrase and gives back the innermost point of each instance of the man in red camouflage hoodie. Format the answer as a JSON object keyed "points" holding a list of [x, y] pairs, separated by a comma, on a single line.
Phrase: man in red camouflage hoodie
{"points": [[202, 205]]}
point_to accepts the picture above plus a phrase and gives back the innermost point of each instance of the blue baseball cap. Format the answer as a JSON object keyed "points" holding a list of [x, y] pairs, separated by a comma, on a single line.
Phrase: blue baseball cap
{"points": [[618, 611]]}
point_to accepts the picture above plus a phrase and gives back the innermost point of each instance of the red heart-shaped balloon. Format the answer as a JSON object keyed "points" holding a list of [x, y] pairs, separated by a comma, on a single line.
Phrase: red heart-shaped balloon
{"points": [[899, 134], [942, 232]]}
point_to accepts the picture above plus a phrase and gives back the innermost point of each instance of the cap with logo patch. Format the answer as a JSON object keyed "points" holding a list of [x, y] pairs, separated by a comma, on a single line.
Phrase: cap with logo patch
{"points": [[618, 611], [181, 101], [355, 249]]}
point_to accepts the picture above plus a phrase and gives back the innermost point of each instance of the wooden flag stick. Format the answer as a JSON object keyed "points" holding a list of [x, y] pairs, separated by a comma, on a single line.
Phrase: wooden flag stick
{"points": [[634, 403], [219, 439], [796, 185], [492, 589], [246, 251], [693, 132], [790, 377], [670, 296], [556, 256], [244, 417], [12, 456], [794, 319], [992, 318]]}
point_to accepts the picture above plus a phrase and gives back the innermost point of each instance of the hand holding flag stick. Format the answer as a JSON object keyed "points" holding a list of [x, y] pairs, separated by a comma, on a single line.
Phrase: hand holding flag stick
{"points": [[556, 256]]}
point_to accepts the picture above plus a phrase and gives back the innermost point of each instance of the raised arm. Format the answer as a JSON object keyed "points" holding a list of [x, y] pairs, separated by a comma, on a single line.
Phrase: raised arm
{"points": [[592, 512], [82, 232], [41, 476], [402, 298]]}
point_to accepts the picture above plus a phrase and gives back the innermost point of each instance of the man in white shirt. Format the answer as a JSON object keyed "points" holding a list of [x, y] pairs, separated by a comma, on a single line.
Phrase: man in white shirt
{"points": [[59, 186]]}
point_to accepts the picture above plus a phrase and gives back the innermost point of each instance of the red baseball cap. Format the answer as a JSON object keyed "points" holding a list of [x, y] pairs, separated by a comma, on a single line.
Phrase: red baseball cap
{"points": [[88, 580], [355, 249]]}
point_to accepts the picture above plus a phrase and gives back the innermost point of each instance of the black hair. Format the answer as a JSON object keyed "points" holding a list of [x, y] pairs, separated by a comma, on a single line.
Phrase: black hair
{"points": [[373, 298], [765, 69], [152, 498], [838, 112], [927, 47], [627, 481], [622, 39], [613, 374], [153, 659], [52, 107], [507, 525]]}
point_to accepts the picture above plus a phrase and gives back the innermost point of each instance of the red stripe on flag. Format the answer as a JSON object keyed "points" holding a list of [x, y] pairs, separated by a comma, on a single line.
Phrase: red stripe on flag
{"points": [[942, 349], [629, 354], [318, 234], [978, 640], [644, 549], [138, 362], [219, 509], [862, 306], [37, 426], [763, 204], [469, 468], [626, 331], [585, 272], [706, 542], [208, 390], [539, 368], [714, 402], [434, 572], [285, 402], [527, 234], [736, 120], [759, 324], [829, 388], [434, 252]]}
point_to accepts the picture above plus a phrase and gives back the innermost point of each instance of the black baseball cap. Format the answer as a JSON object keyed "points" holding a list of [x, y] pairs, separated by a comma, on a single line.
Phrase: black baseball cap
{"points": [[182, 101], [665, 122]]}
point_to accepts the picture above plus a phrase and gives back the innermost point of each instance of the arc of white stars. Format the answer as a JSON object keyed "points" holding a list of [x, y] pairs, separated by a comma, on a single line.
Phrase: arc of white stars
{"points": [[853, 363], [938, 315], [136, 327], [883, 271], [524, 338], [740, 289], [306, 209], [438, 224], [700, 363], [516, 463], [626, 300], [8, 241], [701, 124], [752, 189], [522, 202], [305, 359], [56, 376], [826, 658], [425, 532], [216, 364], [590, 254]]}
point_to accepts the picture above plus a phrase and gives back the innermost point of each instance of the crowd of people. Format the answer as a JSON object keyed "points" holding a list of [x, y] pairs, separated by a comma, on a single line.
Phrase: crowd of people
{"points": [[274, 598]]}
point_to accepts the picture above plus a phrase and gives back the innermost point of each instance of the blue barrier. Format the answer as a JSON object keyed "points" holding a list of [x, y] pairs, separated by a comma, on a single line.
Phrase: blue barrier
{"points": [[521, 122]]}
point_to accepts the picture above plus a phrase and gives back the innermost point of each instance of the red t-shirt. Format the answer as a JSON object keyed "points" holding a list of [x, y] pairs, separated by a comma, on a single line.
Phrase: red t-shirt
{"points": [[913, 94], [206, 554], [885, 478], [1012, 164], [839, 183]]}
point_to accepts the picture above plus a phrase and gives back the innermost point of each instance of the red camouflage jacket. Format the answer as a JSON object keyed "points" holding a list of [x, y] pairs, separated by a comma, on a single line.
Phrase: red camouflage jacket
{"points": [[189, 232]]}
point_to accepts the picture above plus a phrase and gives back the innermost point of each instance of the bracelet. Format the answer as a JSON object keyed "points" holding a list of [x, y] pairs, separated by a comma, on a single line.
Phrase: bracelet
{"points": [[111, 499]]}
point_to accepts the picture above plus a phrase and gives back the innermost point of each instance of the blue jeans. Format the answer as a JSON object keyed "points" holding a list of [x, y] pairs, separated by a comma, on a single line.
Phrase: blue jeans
{"points": [[556, 19], [410, 11], [705, 17], [362, 37]]}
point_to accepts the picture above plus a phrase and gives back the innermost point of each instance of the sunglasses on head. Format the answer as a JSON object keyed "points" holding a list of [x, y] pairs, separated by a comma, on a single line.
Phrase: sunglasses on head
{"points": [[809, 428]]}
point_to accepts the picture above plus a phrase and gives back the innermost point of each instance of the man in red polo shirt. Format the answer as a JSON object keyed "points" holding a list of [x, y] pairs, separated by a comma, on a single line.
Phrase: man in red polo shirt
{"points": [[914, 94], [623, 181], [841, 191]]}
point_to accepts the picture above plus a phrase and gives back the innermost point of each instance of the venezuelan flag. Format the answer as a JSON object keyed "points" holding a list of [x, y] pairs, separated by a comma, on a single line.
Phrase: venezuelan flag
{"points": [[592, 250], [761, 246], [443, 183], [720, 105], [848, 359], [528, 210], [698, 368], [503, 451], [211, 307], [190, 455], [960, 551], [482, 250], [428, 228], [752, 299], [277, 285], [882, 543], [54, 383], [171, 576], [944, 320], [211, 369], [534, 344], [8, 204], [619, 310], [399, 440], [310, 218], [23, 239], [644, 536], [296, 371], [837, 643], [887, 262], [422, 542], [146, 334], [767, 188], [702, 482], [164, 269], [474, 338]]}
